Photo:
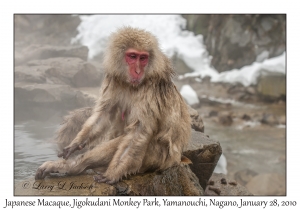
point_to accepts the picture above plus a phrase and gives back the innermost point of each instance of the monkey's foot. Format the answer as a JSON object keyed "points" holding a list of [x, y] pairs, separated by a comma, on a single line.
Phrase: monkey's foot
{"points": [[102, 179], [45, 169]]}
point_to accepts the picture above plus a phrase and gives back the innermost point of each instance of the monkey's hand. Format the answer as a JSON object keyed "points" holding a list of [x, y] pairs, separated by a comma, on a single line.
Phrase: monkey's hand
{"points": [[67, 151], [45, 169]]}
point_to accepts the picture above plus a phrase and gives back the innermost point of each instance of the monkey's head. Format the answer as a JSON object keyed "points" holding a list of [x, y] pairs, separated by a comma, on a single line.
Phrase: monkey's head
{"points": [[133, 56]]}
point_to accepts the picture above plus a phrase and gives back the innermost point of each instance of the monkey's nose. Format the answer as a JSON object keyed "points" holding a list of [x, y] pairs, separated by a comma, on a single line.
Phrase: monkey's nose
{"points": [[137, 71]]}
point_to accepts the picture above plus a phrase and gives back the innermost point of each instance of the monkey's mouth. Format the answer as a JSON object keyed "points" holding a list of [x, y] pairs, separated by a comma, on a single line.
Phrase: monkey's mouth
{"points": [[135, 82]]}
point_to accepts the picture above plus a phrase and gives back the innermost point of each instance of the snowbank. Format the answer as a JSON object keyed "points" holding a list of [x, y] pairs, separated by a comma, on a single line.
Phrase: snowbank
{"points": [[189, 95]]}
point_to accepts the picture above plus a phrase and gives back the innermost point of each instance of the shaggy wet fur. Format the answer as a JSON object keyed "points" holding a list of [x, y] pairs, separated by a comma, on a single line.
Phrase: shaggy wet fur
{"points": [[132, 128]]}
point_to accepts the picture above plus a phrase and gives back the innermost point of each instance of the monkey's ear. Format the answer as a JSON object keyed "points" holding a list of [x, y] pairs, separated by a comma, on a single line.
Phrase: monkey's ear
{"points": [[185, 160]]}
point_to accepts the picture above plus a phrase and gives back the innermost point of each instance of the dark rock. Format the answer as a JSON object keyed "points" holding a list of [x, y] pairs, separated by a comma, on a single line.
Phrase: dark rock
{"points": [[244, 176], [267, 184], [215, 189], [206, 79], [267, 24], [63, 186], [235, 41], [197, 122], [36, 52], [204, 154], [270, 119], [225, 120], [71, 71], [236, 88], [223, 181], [208, 102], [197, 23], [122, 188], [213, 113], [246, 117], [219, 188], [211, 182], [272, 87], [175, 181]]}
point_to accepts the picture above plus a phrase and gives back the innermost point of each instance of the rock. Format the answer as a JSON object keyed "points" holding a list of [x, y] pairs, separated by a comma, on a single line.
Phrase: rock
{"points": [[267, 24], [210, 102], [219, 184], [197, 23], [282, 119], [269, 119], [262, 56], [175, 181], [251, 90], [225, 120], [272, 87], [244, 176], [180, 66], [50, 94], [37, 52], [213, 113], [64, 185], [235, 41], [204, 154], [246, 117], [236, 88], [267, 184], [197, 122], [28, 74], [71, 71]]}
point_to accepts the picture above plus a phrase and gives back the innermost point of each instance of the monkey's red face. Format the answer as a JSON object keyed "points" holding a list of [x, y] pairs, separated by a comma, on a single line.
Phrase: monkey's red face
{"points": [[137, 61]]}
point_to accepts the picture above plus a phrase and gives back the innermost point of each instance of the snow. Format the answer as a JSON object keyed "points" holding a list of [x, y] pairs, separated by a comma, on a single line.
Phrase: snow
{"points": [[221, 167], [189, 94], [94, 31], [247, 75]]}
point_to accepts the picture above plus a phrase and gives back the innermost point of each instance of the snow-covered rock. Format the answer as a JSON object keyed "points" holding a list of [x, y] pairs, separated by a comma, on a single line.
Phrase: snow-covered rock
{"points": [[189, 95]]}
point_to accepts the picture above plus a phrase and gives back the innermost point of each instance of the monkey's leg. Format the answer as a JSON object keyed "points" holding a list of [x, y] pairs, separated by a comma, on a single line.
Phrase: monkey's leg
{"points": [[128, 158], [99, 156]]}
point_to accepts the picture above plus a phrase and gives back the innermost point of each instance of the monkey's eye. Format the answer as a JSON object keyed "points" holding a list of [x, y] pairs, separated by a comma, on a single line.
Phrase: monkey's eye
{"points": [[132, 56], [142, 58]]}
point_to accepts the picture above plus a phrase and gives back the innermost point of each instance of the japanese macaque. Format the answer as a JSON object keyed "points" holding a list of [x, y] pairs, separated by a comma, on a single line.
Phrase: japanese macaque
{"points": [[140, 122]]}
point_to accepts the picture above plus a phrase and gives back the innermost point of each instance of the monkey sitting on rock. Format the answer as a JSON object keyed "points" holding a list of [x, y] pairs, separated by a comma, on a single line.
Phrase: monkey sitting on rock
{"points": [[140, 122]]}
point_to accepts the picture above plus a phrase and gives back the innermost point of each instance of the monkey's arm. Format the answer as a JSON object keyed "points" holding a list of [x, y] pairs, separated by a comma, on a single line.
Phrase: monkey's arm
{"points": [[91, 129], [95, 124]]}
